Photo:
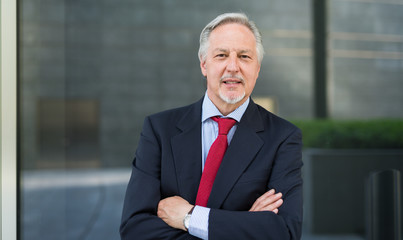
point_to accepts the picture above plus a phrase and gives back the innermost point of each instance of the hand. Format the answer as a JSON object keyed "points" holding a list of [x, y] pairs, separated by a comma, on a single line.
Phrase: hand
{"points": [[172, 211], [268, 202]]}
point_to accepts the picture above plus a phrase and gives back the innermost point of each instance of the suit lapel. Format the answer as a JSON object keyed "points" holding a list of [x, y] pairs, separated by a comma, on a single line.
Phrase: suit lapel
{"points": [[186, 148], [242, 150]]}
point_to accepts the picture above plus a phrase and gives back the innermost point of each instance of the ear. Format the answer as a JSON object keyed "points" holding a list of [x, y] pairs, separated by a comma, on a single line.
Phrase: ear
{"points": [[203, 67], [258, 70]]}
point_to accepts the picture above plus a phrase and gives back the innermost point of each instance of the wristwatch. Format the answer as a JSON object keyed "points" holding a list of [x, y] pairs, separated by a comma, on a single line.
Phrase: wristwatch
{"points": [[186, 220]]}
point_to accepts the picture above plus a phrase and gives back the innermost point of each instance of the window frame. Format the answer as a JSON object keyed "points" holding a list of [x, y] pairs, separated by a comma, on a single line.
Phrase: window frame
{"points": [[8, 122]]}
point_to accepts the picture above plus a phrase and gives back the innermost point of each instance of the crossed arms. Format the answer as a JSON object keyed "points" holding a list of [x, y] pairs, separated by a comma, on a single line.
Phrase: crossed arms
{"points": [[172, 210], [154, 209]]}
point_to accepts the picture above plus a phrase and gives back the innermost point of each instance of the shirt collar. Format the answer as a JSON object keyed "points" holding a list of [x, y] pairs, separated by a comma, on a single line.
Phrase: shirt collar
{"points": [[210, 110]]}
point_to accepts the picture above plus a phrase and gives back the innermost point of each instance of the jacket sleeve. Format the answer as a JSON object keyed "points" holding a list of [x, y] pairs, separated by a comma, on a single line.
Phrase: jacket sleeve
{"points": [[139, 217], [287, 224]]}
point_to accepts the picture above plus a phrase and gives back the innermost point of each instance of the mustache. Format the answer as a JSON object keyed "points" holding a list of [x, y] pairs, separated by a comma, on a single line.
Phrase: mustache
{"points": [[226, 77]]}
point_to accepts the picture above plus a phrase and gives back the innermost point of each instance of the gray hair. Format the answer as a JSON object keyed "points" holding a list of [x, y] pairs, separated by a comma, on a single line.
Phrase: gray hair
{"points": [[226, 18]]}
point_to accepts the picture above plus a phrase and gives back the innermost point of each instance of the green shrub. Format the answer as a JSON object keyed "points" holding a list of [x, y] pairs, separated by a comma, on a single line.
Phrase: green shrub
{"points": [[352, 134]]}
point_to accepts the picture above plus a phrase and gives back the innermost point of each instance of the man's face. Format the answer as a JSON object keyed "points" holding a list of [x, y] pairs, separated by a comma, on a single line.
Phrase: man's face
{"points": [[231, 65]]}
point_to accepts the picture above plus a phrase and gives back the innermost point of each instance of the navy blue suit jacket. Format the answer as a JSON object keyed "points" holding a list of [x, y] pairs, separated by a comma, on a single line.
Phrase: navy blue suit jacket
{"points": [[265, 153]]}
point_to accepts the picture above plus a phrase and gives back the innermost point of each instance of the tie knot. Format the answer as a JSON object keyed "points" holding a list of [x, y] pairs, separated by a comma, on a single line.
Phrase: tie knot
{"points": [[224, 124]]}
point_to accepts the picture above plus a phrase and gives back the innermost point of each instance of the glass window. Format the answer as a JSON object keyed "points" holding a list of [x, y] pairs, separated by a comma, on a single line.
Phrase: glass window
{"points": [[366, 42], [90, 71]]}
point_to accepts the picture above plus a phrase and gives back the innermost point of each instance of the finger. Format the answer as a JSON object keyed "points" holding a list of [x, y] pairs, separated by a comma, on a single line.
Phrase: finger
{"points": [[269, 204], [160, 211], [263, 203], [272, 199], [273, 207], [262, 198], [260, 201], [267, 194], [277, 204]]}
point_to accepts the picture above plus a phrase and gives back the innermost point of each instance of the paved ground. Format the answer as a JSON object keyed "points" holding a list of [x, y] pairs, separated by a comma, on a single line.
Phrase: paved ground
{"points": [[81, 205]]}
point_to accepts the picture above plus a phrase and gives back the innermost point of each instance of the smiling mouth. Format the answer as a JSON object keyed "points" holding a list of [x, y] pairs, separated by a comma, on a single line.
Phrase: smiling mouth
{"points": [[232, 81]]}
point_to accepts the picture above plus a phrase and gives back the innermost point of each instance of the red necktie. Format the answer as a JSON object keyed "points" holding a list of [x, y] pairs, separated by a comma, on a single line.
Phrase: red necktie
{"points": [[213, 160]]}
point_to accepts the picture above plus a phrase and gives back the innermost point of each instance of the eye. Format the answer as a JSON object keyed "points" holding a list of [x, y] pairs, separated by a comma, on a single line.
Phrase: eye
{"points": [[221, 55], [244, 56]]}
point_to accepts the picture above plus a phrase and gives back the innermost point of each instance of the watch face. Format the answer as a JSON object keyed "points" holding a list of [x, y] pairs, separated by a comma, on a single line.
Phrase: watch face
{"points": [[186, 221]]}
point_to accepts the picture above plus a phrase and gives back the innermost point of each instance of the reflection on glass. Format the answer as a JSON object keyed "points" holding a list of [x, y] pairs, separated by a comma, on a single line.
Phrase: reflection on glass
{"points": [[68, 133], [72, 204]]}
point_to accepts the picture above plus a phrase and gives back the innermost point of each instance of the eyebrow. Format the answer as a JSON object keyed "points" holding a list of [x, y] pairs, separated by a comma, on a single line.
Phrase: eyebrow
{"points": [[245, 51], [226, 50]]}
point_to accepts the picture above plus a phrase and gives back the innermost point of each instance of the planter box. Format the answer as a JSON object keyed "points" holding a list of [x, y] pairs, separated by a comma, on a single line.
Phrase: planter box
{"points": [[334, 187]]}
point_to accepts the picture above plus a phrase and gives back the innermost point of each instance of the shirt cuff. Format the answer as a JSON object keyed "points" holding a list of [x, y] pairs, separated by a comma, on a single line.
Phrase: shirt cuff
{"points": [[198, 225]]}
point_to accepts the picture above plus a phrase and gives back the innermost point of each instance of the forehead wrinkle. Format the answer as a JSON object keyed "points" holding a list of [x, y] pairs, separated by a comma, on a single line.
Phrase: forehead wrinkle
{"points": [[220, 50]]}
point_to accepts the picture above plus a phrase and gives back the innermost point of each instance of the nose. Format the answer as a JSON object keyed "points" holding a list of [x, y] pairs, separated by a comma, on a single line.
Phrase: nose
{"points": [[233, 64]]}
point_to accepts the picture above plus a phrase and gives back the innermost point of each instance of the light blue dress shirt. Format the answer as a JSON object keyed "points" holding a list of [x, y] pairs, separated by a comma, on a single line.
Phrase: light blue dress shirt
{"points": [[198, 225]]}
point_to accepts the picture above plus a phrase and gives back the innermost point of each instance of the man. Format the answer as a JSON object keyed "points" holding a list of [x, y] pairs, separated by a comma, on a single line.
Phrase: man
{"points": [[255, 191]]}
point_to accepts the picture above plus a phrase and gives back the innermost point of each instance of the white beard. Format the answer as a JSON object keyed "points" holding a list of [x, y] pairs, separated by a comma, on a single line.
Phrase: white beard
{"points": [[231, 100]]}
